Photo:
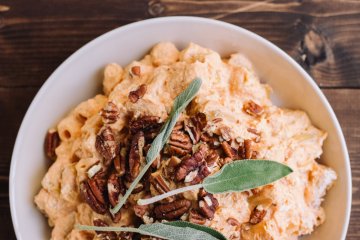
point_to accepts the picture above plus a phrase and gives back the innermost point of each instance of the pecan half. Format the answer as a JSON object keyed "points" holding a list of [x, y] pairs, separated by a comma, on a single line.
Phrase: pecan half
{"points": [[194, 126], [256, 132], [110, 113], [90, 199], [201, 120], [225, 133], [159, 184], [145, 124], [202, 173], [115, 188], [212, 157], [228, 150], [120, 161], [136, 70], [179, 144], [207, 204], [212, 140], [189, 164], [257, 216], [105, 144], [253, 109], [52, 141], [97, 185], [104, 235], [245, 150], [196, 217], [134, 96], [136, 156], [172, 210], [169, 171]]}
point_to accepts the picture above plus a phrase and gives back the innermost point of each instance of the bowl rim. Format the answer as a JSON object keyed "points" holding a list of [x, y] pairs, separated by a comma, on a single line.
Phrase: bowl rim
{"points": [[25, 122]]}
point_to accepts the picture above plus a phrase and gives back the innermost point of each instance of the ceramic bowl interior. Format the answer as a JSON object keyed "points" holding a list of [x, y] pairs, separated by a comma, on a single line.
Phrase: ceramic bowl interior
{"points": [[79, 78]]}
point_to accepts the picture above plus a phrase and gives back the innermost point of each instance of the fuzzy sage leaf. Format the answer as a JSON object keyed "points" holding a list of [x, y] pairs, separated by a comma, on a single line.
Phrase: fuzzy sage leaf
{"points": [[237, 176], [180, 103], [177, 230], [203, 228]]}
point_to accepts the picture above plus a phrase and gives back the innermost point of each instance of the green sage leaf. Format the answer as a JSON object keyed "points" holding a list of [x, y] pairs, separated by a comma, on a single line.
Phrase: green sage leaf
{"points": [[180, 103], [211, 231], [236, 176], [171, 230], [242, 175]]}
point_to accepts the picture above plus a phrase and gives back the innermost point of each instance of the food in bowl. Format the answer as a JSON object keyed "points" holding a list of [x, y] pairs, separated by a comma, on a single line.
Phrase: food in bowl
{"points": [[100, 147]]}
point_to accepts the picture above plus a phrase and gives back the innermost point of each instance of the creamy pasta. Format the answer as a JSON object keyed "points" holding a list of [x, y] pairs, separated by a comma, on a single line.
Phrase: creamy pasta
{"points": [[239, 114]]}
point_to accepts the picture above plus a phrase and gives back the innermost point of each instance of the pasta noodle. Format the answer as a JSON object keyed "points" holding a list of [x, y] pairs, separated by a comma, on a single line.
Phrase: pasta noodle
{"points": [[112, 76], [69, 128]]}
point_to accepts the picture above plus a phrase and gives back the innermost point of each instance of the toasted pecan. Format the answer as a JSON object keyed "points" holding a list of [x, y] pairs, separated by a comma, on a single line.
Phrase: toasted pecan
{"points": [[246, 150], [110, 113], [52, 141], [207, 204], [135, 95], [194, 126], [136, 70], [90, 199], [120, 161], [228, 150], [203, 172], [191, 163], [257, 215], [136, 156], [172, 210], [115, 188], [253, 109], [145, 124], [97, 185], [196, 217], [105, 144], [179, 144]]}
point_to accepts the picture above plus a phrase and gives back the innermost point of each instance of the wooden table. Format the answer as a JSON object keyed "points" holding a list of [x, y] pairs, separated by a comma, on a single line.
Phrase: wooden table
{"points": [[36, 36]]}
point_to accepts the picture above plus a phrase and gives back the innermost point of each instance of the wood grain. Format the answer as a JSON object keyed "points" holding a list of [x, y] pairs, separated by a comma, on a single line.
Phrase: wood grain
{"points": [[344, 102], [36, 36], [324, 37], [13, 105]]}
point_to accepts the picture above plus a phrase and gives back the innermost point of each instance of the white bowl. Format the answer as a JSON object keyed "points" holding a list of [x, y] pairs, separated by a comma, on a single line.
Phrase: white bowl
{"points": [[79, 78]]}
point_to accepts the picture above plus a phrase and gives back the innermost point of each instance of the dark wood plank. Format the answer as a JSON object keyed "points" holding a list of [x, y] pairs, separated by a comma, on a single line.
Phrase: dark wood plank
{"points": [[344, 103], [7, 231], [323, 36], [13, 105], [36, 38], [313, 33]]}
